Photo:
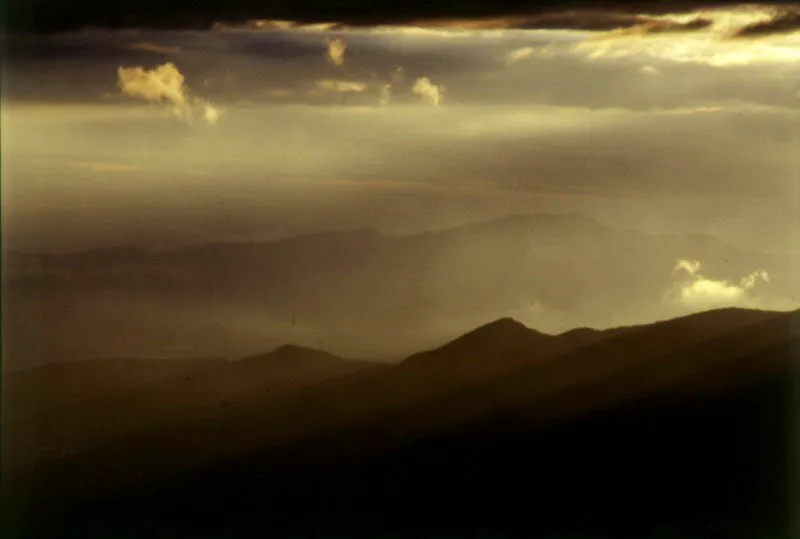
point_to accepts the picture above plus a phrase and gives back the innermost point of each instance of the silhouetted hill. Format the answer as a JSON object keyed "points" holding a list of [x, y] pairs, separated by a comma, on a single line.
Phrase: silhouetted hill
{"points": [[65, 383], [294, 355], [585, 433], [493, 346], [72, 407], [676, 427]]}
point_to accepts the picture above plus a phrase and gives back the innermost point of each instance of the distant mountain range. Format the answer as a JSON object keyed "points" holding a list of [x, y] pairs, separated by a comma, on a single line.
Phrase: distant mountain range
{"points": [[292, 427], [399, 293]]}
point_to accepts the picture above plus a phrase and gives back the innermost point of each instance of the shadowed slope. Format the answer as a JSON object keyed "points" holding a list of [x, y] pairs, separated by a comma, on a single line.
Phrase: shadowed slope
{"points": [[495, 346], [613, 438], [349, 421], [147, 396]]}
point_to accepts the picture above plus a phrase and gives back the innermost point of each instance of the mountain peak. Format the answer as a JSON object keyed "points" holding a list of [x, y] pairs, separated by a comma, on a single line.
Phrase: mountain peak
{"points": [[505, 322], [502, 337], [293, 352]]}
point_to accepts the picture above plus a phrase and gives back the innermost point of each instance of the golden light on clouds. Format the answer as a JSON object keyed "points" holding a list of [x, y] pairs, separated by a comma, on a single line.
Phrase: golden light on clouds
{"points": [[697, 291], [711, 37], [428, 91], [716, 44], [726, 22], [337, 49], [166, 85]]}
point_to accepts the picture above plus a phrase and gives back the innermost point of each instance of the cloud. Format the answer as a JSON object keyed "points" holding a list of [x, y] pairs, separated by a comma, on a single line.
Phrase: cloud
{"points": [[753, 18], [702, 37], [749, 281], [586, 19], [543, 52], [701, 49], [785, 20], [152, 47], [388, 89], [279, 25], [650, 70], [700, 292], [343, 86], [519, 54], [211, 113], [591, 20], [660, 26], [165, 84], [337, 49], [689, 266], [428, 91]]}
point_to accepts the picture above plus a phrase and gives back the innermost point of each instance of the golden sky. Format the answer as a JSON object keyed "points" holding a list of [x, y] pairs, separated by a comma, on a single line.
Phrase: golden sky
{"points": [[339, 126]]}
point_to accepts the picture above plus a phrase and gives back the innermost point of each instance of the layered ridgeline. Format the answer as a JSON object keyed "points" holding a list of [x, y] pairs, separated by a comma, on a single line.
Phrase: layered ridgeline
{"points": [[365, 294], [67, 408], [680, 423]]}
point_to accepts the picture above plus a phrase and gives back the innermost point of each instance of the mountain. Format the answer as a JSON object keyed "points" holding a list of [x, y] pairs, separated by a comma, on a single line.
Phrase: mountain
{"points": [[72, 407], [677, 427], [401, 294], [66, 383], [498, 339], [552, 424], [496, 347]]}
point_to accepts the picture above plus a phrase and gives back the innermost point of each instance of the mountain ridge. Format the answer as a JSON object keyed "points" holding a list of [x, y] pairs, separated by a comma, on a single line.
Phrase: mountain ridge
{"points": [[676, 362], [513, 219], [405, 294]]}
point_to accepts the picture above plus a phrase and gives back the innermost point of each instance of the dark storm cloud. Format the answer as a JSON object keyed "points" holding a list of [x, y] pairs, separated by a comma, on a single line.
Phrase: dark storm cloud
{"points": [[786, 19], [233, 66], [279, 45], [662, 26], [56, 15], [586, 20], [582, 20]]}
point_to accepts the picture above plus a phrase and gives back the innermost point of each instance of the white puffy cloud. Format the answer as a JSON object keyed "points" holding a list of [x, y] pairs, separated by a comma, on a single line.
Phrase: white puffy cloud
{"points": [[211, 113], [165, 85], [698, 292], [428, 91], [337, 49]]}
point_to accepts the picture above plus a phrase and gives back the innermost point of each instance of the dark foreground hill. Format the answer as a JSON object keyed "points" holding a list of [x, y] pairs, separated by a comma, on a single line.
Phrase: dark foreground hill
{"points": [[684, 428], [69, 408]]}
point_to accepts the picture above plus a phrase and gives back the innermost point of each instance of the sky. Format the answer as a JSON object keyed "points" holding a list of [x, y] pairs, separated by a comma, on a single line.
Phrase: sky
{"points": [[251, 130], [672, 122]]}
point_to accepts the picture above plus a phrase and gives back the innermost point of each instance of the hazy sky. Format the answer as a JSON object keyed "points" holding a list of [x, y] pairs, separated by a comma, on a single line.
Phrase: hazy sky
{"points": [[670, 123]]}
